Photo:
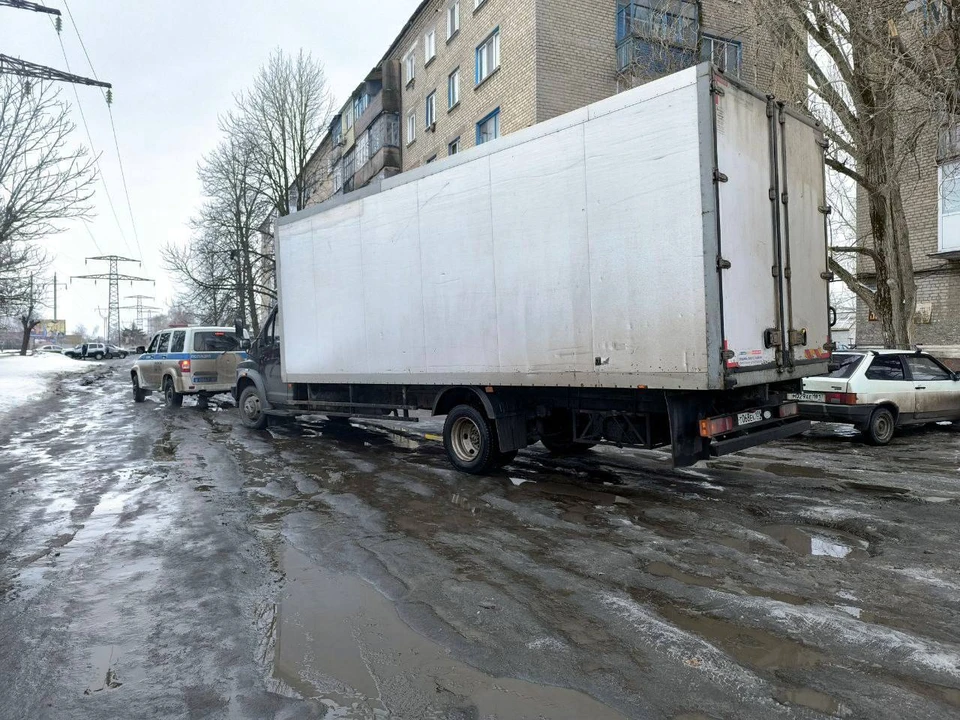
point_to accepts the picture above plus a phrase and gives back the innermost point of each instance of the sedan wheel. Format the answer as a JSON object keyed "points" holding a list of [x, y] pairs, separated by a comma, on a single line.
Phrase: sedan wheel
{"points": [[879, 430]]}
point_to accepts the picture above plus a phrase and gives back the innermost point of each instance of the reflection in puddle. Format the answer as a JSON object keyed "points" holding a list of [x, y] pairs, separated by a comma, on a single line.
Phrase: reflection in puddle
{"points": [[805, 697], [819, 542], [339, 641]]}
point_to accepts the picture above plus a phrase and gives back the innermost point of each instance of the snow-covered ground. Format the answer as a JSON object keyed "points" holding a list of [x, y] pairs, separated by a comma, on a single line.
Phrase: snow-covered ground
{"points": [[26, 379]]}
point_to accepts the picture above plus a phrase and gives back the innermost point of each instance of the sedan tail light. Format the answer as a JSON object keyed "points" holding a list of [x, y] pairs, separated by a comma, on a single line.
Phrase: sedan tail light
{"points": [[841, 398]]}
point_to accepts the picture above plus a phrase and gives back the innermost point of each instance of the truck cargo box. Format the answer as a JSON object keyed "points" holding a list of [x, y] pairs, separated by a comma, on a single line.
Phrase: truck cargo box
{"points": [[672, 236]]}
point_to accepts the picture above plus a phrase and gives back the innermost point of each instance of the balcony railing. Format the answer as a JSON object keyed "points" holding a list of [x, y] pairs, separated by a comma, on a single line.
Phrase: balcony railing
{"points": [[669, 22]]}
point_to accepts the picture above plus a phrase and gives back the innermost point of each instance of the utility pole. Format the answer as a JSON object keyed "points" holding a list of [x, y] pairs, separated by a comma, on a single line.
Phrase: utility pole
{"points": [[22, 68], [114, 277], [55, 286], [140, 307]]}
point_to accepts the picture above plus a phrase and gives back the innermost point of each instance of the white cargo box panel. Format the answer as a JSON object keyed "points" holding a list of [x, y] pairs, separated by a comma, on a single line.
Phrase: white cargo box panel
{"points": [[579, 252]]}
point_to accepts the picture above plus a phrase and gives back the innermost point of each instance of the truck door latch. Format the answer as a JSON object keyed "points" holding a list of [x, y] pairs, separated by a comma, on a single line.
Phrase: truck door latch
{"points": [[798, 338], [719, 177], [723, 264], [772, 338]]}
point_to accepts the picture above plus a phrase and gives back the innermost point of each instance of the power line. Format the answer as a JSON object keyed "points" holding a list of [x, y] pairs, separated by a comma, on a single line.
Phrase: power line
{"points": [[114, 277], [113, 127], [96, 156]]}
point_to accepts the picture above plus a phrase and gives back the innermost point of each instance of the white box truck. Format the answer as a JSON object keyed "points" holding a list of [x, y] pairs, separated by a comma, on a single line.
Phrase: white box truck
{"points": [[649, 270]]}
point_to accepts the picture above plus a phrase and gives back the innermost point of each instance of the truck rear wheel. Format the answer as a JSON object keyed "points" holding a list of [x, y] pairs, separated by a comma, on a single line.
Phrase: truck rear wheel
{"points": [[470, 441], [251, 409]]}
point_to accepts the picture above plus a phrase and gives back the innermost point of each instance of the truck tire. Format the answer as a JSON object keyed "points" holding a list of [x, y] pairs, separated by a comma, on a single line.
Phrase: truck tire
{"points": [[171, 397], [880, 428], [470, 441], [138, 392], [251, 409]]}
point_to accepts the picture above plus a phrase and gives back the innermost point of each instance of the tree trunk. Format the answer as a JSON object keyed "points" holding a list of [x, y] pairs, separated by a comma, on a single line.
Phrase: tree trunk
{"points": [[28, 324]]}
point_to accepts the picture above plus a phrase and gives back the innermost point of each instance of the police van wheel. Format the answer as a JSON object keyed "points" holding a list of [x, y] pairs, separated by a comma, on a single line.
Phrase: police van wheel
{"points": [[138, 392], [171, 397], [251, 409]]}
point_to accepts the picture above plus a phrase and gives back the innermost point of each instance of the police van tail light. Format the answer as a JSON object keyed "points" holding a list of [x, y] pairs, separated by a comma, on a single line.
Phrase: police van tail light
{"points": [[184, 366]]}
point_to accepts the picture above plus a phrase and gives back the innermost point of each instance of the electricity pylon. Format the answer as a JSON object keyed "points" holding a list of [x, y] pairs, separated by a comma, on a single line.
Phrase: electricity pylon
{"points": [[113, 277], [140, 307]]}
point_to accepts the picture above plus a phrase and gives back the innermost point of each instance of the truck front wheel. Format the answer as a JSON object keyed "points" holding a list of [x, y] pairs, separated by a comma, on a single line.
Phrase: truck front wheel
{"points": [[251, 409], [470, 441]]}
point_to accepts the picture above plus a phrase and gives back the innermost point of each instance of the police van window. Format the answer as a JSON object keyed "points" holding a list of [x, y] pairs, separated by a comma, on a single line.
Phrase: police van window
{"points": [[176, 345], [164, 343], [885, 367], [153, 344], [215, 341]]}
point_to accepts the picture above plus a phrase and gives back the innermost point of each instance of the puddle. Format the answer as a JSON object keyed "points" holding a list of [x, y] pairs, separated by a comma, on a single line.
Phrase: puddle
{"points": [[819, 542], [339, 641], [805, 697], [749, 646], [663, 570]]}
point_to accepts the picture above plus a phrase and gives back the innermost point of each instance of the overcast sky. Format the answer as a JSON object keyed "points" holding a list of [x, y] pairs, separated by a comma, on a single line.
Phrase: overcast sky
{"points": [[174, 66]]}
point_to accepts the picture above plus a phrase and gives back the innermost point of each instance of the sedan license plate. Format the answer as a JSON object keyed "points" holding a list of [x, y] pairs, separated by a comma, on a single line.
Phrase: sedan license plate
{"points": [[749, 418], [808, 397]]}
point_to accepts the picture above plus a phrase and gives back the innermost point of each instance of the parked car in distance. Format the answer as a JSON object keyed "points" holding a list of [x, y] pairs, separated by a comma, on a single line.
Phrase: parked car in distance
{"points": [[114, 351], [182, 361], [76, 352], [881, 390], [50, 349]]}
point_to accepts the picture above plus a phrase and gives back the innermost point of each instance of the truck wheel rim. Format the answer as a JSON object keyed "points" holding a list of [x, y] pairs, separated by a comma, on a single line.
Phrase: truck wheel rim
{"points": [[465, 439], [251, 407]]}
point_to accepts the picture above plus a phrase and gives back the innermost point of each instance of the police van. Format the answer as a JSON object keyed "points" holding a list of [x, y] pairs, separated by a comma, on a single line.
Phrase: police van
{"points": [[180, 361]]}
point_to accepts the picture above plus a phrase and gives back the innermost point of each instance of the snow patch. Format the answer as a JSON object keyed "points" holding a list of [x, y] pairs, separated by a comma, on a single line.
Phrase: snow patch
{"points": [[24, 380]]}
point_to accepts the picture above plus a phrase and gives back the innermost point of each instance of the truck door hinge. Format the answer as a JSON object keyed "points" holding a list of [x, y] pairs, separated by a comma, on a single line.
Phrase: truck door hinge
{"points": [[824, 143], [719, 177], [798, 338], [772, 338], [723, 264], [774, 271], [772, 194], [727, 355], [828, 276], [716, 89], [787, 272], [785, 198], [826, 209], [830, 346]]}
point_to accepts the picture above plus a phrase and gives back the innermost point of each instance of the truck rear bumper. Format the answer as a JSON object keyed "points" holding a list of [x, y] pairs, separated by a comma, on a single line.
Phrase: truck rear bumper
{"points": [[719, 448]]}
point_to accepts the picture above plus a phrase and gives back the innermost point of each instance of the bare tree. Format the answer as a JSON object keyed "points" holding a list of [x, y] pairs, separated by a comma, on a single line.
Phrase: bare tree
{"points": [[877, 94], [23, 295], [283, 116], [43, 180]]}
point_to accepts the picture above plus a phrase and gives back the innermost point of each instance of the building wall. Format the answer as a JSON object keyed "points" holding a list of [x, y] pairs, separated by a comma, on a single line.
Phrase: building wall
{"points": [[512, 87]]}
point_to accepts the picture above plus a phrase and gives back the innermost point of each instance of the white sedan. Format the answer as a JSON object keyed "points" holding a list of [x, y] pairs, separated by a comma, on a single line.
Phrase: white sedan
{"points": [[881, 390]]}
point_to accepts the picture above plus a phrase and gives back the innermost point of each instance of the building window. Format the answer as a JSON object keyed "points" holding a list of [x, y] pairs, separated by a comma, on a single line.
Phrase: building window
{"points": [[363, 149], [489, 128], [727, 55], [429, 46], [930, 15], [453, 19], [410, 63], [337, 177], [431, 159], [411, 127], [430, 114], [360, 103], [488, 56], [478, 3], [454, 147], [453, 89], [950, 206]]}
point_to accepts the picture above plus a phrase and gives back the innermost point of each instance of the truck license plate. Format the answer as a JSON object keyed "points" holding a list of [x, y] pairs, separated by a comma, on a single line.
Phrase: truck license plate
{"points": [[749, 417], [808, 397]]}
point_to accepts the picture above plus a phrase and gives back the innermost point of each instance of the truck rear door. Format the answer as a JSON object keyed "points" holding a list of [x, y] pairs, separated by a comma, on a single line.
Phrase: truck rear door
{"points": [[770, 188]]}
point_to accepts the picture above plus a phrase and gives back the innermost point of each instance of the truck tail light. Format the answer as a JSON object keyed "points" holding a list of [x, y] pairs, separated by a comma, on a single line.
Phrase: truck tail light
{"points": [[184, 366], [789, 410], [712, 427], [841, 398]]}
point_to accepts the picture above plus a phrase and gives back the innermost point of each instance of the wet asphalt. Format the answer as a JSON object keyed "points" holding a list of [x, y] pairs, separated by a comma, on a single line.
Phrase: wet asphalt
{"points": [[172, 564]]}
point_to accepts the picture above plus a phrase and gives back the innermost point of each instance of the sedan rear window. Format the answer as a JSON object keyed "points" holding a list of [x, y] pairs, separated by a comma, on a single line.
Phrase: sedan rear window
{"points": [[843, 366], [885, 367], [215, 341]]}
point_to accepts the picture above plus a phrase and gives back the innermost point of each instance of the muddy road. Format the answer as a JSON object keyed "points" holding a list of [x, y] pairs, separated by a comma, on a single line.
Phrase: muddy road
{"points": [[172, 564]]}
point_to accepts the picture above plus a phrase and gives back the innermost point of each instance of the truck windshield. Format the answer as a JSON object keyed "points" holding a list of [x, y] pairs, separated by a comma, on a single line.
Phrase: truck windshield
{"points": [[215, 341], [843, 366]]}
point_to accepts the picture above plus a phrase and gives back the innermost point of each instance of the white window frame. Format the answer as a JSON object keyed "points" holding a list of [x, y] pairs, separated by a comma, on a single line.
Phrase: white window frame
{"points": [[487, 56], [411, 127], [713, 42], [429, 46], [478, 3], [410, 63], [453, 19], [949, 222], [453, 89], [453, 147], [430, 110]]}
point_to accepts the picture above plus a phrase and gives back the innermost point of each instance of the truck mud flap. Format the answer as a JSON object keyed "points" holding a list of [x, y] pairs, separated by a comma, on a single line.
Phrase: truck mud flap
{"points": [[685, 411], [719, 448]]}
